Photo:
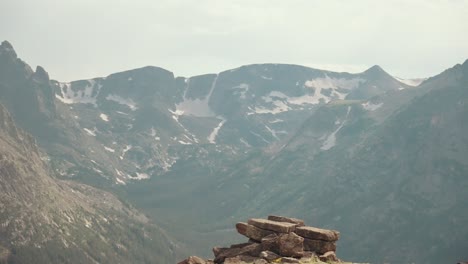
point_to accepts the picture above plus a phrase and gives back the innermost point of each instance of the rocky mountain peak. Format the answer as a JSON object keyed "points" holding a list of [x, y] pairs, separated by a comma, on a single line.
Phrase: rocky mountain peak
{"points": [[7, 49], [453, 75], [142, 72], [6, 45], [141, 86], [41, 74], [10, 64], [376, 69]]}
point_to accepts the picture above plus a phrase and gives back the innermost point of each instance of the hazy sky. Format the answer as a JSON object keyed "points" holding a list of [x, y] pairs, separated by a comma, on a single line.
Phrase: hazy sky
{"points": [[77, 39]]}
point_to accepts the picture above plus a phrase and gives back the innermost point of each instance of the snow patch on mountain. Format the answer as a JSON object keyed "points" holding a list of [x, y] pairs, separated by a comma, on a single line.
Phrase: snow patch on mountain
{"points": [[168, 163], [330, 142], [279, 106], [214, 133], [109, 149], [273, 132], [123, 101], [154, 134], [245, 142], [124, 151], [283, 103], [175, 116], [369, 106], [119, 172], [279, 101], [176, 113], [90, 132], [242, 89], [259, 136], [276, 120], [334, 83], [122, 113], [327, 83], [411, 82], [82, 96], [140, 176], [119, 181], [104, 117], [197, 107]]}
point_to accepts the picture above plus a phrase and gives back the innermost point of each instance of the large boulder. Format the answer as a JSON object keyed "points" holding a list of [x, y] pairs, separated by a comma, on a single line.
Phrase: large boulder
{"points": [[319, 246], [291, 245], [317, 233], [270, 243], [252, 232], [279, 227], [249, 249]]}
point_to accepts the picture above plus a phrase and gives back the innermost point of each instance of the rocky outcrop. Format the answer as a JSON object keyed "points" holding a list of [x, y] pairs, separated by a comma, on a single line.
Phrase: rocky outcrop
{"points": [[277, 239]]}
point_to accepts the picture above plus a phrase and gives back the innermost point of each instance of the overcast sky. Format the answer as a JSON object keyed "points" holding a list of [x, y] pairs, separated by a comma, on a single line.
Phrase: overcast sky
{"points": [[78, 39]]}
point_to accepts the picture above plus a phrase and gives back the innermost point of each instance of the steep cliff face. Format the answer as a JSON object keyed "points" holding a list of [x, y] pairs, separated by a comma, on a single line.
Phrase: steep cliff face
{"points": [[44, 220], [27, 93]]}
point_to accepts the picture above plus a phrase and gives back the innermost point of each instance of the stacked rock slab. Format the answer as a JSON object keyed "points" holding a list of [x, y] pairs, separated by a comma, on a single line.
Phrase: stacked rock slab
{"points": [[278, 239], [296, 221], [318, 240]]}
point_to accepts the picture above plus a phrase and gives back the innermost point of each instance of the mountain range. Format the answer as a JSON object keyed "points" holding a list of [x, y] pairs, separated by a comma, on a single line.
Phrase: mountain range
{"points": [[180, 160]]}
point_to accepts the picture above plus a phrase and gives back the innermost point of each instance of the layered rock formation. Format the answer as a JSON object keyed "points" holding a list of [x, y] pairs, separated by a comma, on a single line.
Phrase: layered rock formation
{"points": [[277, 239]]}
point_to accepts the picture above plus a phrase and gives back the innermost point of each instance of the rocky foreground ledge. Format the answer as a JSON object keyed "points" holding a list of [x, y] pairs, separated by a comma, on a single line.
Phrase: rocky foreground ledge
{"points": [[277, 239]]}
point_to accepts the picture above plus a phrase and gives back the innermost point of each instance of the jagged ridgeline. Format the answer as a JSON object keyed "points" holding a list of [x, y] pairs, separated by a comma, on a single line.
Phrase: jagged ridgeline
{"points": [[381, 159]]}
